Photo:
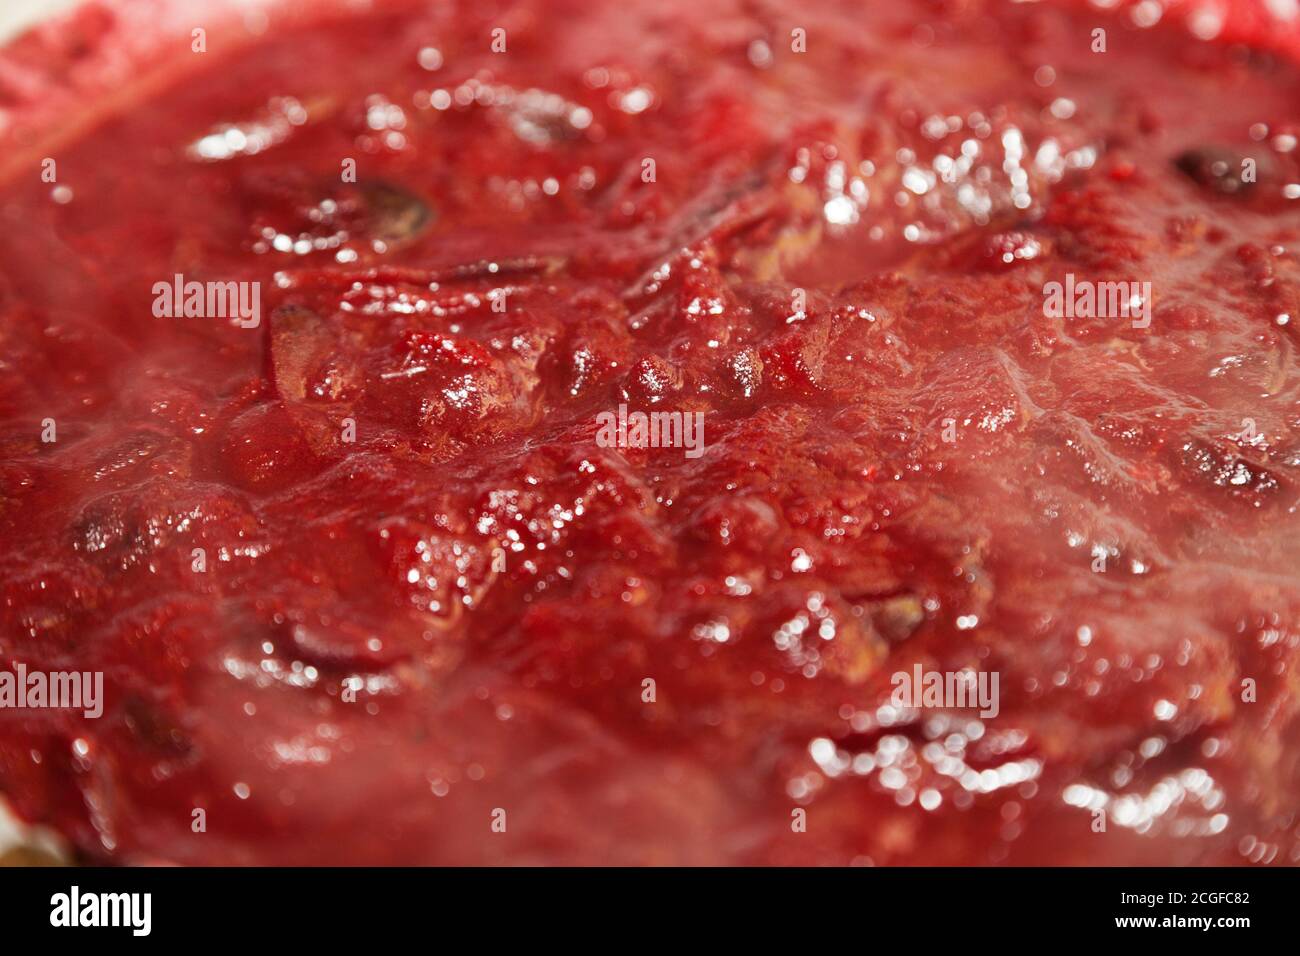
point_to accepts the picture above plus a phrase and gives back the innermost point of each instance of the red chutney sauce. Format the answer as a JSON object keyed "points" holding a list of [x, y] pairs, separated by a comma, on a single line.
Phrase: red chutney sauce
{"points": [[365, 586]]}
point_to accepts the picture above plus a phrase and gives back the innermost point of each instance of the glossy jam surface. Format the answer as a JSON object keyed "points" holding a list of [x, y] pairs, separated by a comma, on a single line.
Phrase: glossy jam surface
{"points": [[840, 262]]}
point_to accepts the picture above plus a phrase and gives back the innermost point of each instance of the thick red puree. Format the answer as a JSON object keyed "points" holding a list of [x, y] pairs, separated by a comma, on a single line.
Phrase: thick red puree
{"points": [[840, 262]]}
